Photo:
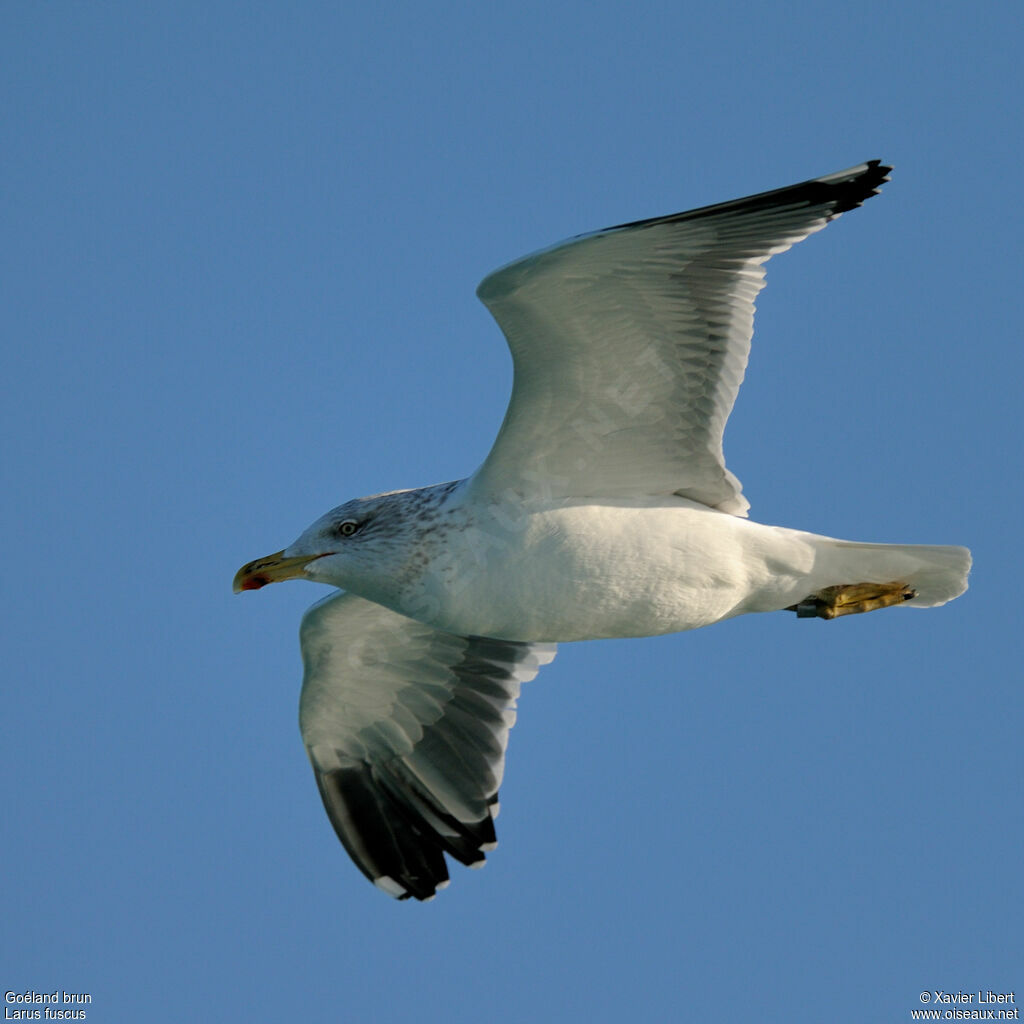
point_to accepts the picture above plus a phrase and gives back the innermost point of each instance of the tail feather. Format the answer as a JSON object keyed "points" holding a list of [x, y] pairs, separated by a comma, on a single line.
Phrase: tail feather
{"points": [[938, 574]]}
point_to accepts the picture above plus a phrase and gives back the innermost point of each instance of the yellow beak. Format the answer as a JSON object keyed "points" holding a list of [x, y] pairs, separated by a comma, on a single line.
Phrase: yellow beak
{"points": [[271, 569]]}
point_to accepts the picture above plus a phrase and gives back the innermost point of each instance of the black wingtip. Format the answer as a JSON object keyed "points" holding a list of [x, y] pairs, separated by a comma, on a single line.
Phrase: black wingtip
{"points": [[394, 836], [832, 195], [851, 188], [388, 850]]}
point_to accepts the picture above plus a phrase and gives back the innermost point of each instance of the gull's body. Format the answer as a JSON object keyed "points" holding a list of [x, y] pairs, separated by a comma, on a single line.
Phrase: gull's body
{"points": [[626, 567], [603, 510]]}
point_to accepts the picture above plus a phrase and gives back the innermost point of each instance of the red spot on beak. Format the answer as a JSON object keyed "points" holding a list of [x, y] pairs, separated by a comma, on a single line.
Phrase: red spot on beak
{"points": [[254, 582]]}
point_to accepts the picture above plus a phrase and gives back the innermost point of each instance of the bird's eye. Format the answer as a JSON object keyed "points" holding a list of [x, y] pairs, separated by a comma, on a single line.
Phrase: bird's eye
{"points": [[347, 528]]}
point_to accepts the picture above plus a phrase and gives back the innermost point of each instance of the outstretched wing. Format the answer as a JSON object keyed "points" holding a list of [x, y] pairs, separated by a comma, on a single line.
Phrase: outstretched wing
{"points": [[406, 728], [630, 344]]}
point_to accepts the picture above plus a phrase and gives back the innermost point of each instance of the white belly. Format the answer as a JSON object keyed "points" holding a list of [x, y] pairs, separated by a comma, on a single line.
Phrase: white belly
{"points": [[580, 571]]}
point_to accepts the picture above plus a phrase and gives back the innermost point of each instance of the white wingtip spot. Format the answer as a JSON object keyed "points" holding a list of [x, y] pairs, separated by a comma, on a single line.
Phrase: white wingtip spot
{"points": [[544, 653], [478, 864], [488, 847], [443, 885], [390, 886], [495, 810]]}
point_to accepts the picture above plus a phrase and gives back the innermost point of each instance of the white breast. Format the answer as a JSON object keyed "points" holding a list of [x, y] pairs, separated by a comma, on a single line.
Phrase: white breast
{"points": [[584, 571]]}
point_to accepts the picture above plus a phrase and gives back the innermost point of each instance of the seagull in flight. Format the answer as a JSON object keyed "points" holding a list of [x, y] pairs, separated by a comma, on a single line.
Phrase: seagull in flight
{"points": [[604, 509]]}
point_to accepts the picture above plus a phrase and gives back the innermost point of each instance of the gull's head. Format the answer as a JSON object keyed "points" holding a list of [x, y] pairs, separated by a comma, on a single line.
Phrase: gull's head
{"points": [[358, 546]]}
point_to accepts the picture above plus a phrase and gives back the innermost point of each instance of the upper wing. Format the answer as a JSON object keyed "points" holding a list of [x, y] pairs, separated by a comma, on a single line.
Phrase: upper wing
{"points": [[629, 345], [406, 728]]}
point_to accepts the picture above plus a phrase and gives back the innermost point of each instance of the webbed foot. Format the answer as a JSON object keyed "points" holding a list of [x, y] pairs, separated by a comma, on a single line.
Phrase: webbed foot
{"points": [[851, 598]]}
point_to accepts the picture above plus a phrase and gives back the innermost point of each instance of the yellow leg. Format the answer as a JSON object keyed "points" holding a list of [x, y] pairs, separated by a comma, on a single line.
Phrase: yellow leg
{"points": [[851, 598]]}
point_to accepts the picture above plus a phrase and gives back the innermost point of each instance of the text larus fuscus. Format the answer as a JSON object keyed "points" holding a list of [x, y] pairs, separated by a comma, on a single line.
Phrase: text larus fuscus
{"points": [[604, 509]]}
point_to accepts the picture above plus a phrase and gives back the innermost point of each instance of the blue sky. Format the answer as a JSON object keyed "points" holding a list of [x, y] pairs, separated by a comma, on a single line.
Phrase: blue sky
{"points": [[241, 243]]}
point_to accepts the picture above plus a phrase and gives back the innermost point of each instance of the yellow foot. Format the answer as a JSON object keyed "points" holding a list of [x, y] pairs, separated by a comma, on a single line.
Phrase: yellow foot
{"points": [[851, 598]]}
